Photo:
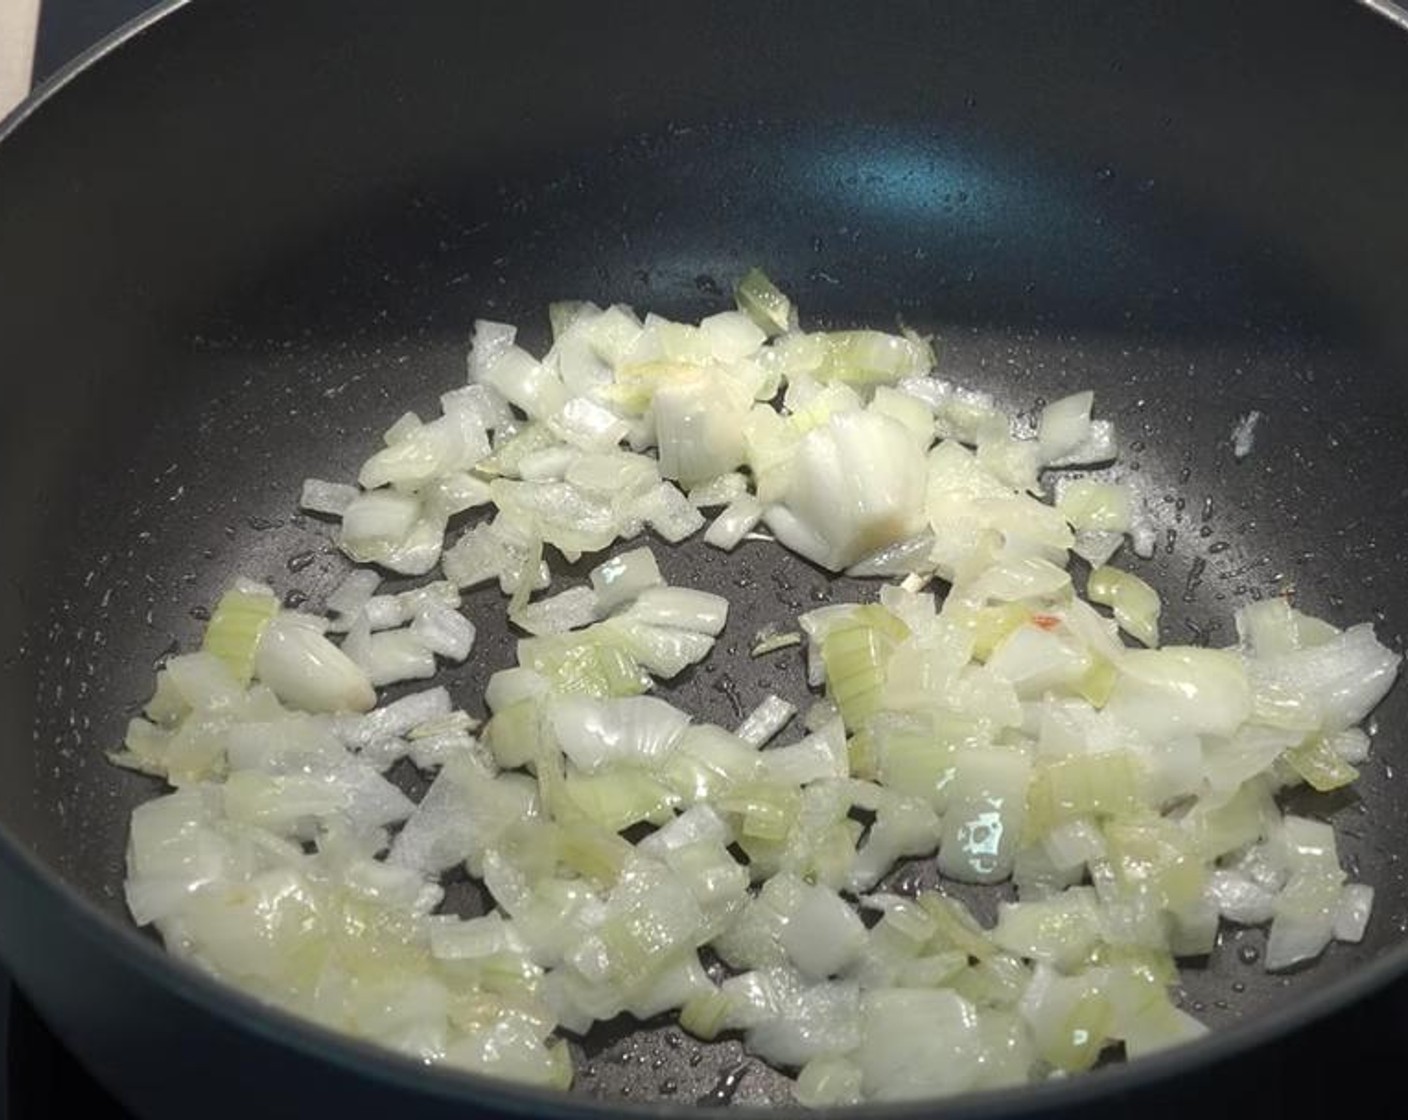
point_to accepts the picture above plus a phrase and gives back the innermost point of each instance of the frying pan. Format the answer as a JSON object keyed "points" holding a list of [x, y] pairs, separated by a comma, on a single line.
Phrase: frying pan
{"points": [[237, 242]]}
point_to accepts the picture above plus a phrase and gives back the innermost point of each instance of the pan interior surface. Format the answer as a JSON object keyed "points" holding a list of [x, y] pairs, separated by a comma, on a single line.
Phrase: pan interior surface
{"points": [[167, 431]]}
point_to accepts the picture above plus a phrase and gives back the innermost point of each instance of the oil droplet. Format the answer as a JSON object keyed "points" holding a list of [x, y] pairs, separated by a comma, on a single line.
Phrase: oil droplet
{"points": [[726, 685], [726, 1087], [667, 1088], [201, 614], [295, 599], [695, 1058], [1195, 579], [1239, 986], [1249, 954], [300, 560]]}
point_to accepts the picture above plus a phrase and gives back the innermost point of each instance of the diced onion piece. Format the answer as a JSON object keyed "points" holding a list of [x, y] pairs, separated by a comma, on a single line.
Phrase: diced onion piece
{"points": [[1320, 765], [1096, 506], [1181, 690], [983, 823], [766, 643], [331, 498], [619, 580], [568, 610], [857, 485], [761, 300], [1064, 426], [719, 491], [352, 595], [738, 519], [594, 734], [669, 513], [1135, 603], [1099, 446], [236, 627], [306, 670], [823, 936], [444, 631], [917, 1044], [766, 720], [393, 656], [1352, 914], [680, 608], [698, 425]]}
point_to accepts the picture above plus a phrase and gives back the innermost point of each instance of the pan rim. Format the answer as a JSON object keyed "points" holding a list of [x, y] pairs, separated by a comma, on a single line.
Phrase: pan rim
{"points": [[130, 946]]}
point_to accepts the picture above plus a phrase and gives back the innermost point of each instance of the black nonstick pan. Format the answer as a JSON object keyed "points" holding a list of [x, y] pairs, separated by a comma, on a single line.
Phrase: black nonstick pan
{"points": [[229, 242]]}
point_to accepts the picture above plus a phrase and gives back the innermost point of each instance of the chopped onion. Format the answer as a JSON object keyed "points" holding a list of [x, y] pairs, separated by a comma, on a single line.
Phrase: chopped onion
{"points": [[1128, 794], [306, 670]]}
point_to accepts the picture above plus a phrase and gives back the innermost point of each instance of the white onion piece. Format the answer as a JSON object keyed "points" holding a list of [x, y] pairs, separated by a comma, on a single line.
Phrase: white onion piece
{"points": [[597, 733], [444, 631], [739, 518], [917, 1044], [460, 816], [1352, 913], [1100, 446], [377, 516], [306, 670], [668, 512], [483, 405], [557, 614], [986, 810], [352, 595], [398, 655], [1064, 426], [719, 491], [1338, 682], [766, 720], [327, 497], [1180, 690], [823, 936], [680, 608], [857, 485], [394, 719]]}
